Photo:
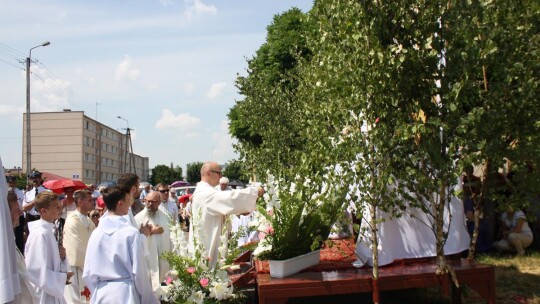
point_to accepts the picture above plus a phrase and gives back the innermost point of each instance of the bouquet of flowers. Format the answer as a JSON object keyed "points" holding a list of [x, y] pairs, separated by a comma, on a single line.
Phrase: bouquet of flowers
{"points": [[193, 279], [298, 218]]}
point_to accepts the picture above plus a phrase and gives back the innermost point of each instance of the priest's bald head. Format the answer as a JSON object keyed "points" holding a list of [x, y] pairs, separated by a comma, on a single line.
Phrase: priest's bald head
{"points": [[211, 173]]}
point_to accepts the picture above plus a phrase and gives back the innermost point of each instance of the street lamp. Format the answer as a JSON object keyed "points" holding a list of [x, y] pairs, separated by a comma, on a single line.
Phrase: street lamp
{"points": [[28, 144], [127, 122]]}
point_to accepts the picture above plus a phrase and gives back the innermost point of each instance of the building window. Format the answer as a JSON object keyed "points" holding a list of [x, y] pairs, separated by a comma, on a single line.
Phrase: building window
{"points": [[89, 173], [89, 158]]}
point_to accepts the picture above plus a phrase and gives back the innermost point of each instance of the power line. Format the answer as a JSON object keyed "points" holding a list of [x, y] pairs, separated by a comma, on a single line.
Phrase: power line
{"points": [[11, 64], [12, 50], [54, 83]]}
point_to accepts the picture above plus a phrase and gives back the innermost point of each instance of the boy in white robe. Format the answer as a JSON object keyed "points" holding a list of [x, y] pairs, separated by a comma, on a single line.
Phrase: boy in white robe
{"points": [[115, 269], [45, 259], [158, 241]]}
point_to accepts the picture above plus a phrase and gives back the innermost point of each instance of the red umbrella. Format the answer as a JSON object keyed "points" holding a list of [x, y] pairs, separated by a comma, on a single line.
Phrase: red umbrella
{"points": [[58, 186]]}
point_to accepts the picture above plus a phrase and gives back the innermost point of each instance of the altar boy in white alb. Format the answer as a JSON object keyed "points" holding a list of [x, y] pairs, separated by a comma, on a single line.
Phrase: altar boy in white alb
{"points": [[115, 269], [45, 259]]}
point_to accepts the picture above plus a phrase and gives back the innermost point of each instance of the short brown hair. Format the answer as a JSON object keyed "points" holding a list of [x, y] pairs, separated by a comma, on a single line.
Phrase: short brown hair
{"points": [[44, 199], [80, 195], [127, 181], [113, 195]]}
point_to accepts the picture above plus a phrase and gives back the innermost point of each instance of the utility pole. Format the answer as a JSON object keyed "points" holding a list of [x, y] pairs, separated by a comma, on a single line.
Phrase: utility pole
{"points": [[28, 137], [128, 148]]}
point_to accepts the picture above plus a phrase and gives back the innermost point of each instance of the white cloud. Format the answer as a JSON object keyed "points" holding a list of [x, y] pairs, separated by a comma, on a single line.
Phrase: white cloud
{"points": [[197, 7], [183, 122], [125, 71], [215, 90]]}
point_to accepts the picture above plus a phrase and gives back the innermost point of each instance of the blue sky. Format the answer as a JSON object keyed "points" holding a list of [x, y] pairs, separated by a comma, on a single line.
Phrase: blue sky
{"points": [[167, 66]]}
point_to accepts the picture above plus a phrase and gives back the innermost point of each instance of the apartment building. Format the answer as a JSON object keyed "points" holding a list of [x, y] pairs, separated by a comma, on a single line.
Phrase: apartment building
{"points": [[73, 145]]}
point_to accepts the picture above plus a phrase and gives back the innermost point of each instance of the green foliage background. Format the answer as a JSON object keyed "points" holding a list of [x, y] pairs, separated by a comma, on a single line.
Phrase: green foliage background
{"points": [[165, 174], [193, 174], [437, 86]]}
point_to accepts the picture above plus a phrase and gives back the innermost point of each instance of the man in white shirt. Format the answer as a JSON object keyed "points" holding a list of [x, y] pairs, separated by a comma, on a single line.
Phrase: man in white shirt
{"points": [[115, 269], [168, 206], [28, 203], [77, 231], [210, 207], [147, 189], [159, 240]]}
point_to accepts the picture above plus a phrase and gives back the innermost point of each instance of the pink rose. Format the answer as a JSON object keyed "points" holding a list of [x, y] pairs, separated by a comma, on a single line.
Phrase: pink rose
{"points": [[190, 270], [168, 281], [269, 230], [204, 282]]}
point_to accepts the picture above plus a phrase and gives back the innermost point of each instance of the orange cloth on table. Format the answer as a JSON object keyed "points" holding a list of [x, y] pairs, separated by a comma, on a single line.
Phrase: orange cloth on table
{"points": [[340, 255]]}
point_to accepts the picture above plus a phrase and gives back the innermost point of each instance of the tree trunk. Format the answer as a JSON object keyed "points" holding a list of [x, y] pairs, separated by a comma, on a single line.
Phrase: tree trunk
{"points": [[375, 251]]}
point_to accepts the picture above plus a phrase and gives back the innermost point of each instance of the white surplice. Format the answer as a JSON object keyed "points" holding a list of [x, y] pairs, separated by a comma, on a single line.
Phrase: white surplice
{"points": [[115, 269], [77, 231], [157, 244], [209, 209], [9, 277], [28, 293], [171, 209], [410, 236], [46, 271]]}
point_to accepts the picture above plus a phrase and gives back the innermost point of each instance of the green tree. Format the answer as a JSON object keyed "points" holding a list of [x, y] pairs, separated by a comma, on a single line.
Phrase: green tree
{"points": [[268, 113], [165, 174], [402, 96], [235, 170], [420, 71], [193, 172]]}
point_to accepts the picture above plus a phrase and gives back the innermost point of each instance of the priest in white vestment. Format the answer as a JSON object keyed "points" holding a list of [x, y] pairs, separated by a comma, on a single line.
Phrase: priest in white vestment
{"points": [[210, 208], [159, 240], [45, 259], [77, 231]]}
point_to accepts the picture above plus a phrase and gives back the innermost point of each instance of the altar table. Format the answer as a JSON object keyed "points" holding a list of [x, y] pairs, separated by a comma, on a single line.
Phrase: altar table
{"points": [[480, 277]]}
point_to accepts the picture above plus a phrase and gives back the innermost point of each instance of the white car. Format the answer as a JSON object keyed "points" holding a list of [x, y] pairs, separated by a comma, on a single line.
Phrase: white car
{"points": [[183, 190]]}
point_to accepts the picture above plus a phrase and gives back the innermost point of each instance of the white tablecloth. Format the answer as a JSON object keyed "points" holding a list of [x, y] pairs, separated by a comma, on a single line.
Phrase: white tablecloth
{"points": [[409, 236]]}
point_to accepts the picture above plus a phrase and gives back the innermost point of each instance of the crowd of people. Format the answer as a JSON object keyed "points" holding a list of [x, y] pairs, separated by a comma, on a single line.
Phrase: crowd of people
{"points": [[103, 245]]}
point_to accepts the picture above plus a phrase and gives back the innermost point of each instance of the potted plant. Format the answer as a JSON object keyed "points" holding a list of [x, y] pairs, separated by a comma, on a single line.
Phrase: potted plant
{"points": [[295, 220]]}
